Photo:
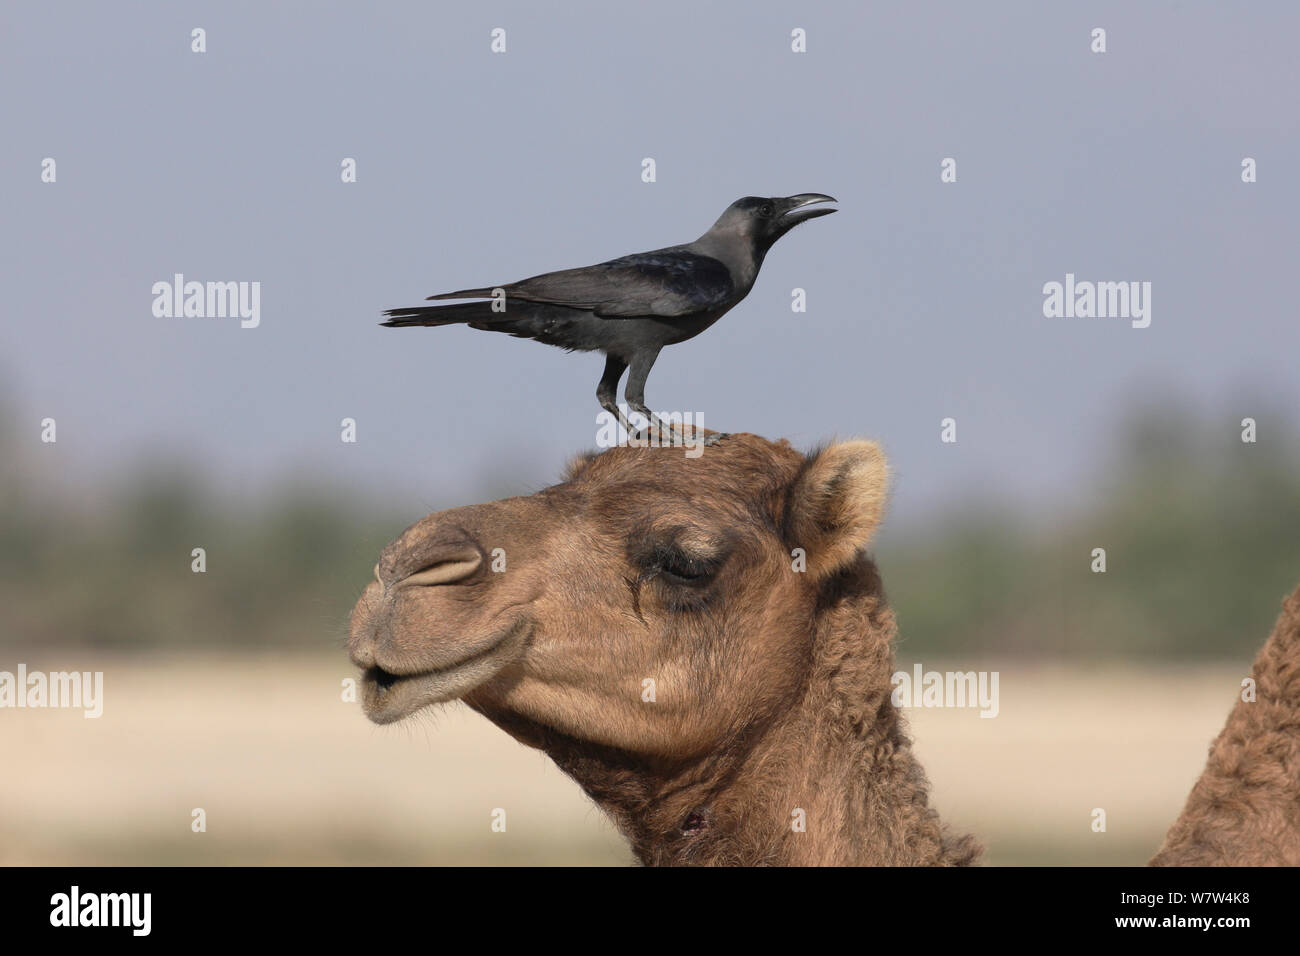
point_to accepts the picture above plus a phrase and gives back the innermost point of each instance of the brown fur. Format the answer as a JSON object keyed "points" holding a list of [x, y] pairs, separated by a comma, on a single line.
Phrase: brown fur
{"points": [[1245, 808], [772, 685]]}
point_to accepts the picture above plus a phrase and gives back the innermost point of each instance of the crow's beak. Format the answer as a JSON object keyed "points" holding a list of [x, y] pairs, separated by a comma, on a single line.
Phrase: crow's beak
{"points": [[796, 211]]}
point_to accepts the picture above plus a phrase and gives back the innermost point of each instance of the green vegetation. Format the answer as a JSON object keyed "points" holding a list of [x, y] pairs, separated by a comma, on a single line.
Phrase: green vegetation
{"points": [[286, 572], [1202, 541]]}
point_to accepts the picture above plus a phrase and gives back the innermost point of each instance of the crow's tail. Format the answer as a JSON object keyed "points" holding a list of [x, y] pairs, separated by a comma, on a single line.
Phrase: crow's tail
{"points": [[439, 314], [546, 322]]}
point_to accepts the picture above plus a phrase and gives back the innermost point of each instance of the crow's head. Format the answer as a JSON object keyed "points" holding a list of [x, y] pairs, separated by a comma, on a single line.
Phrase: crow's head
{"points": [[764, 221]]}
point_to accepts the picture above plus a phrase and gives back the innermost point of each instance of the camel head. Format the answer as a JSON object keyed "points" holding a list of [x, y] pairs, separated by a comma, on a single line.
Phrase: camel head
{"points": [[651, 602], [703, 645]]}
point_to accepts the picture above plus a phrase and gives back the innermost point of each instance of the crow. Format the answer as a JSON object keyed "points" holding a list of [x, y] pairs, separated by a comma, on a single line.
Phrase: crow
{"points": [[631, 307]]}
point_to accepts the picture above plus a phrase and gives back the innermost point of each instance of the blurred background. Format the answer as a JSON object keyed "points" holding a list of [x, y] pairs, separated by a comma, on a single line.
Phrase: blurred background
{"points": [[223, 690]]}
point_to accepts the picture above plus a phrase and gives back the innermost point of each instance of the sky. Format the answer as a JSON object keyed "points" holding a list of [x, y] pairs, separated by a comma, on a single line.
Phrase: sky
{"points": [[924, 298]]}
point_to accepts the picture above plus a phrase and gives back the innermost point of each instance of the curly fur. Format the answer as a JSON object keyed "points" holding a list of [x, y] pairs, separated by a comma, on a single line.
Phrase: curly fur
{"points": [[1245, 808]]}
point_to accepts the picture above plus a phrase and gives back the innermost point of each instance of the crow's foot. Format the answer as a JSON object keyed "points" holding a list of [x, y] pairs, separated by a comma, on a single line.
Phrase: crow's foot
{"points": [[654, 437]]}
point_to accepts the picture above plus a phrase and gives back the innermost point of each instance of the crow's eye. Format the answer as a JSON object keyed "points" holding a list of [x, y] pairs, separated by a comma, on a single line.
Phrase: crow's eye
{"points": [[766, 210]]}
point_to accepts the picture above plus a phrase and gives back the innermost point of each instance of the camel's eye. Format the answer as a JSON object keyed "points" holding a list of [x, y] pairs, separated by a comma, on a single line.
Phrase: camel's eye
{"points": [[674, 565], [683, 575], [683, 567]]}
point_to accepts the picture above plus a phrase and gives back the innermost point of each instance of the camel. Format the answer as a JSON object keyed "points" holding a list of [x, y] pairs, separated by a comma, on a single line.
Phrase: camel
{"points": [[704, 646], [1245, 808]]}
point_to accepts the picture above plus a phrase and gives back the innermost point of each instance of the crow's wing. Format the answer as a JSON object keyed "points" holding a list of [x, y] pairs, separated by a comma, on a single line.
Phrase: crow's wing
{"points": [[667, 283]]}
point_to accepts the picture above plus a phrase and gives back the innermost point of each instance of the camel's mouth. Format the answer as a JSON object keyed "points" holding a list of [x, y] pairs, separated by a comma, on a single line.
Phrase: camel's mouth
{"points": [[387, 696]]}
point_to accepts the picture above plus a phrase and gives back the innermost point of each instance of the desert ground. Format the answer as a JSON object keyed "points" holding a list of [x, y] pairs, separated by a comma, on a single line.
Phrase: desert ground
{"points": [[287, 772]]}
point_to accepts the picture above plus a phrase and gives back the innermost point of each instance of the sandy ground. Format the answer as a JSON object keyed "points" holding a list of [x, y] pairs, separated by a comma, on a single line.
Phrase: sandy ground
{"points": [[1130, 742], [287, 772]]}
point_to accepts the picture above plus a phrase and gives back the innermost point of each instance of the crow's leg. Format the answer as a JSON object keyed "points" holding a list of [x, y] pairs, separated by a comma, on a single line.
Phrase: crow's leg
{"points": [[607, 391], [642, 362]]}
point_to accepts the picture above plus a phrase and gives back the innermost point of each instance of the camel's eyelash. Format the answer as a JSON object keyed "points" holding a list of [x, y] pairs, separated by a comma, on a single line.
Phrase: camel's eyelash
{"points": [[678, 565], [685, 577], [685, 567], [685, 580]]}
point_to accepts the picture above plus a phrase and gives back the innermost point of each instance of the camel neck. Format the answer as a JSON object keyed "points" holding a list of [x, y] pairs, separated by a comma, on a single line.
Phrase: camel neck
{"points": [[830, 780], [834, 782], [818, 798], [1252, 769]]}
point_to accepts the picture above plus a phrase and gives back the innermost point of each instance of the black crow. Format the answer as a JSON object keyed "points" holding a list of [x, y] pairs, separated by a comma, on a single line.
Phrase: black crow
{"points": [[631, 307]]}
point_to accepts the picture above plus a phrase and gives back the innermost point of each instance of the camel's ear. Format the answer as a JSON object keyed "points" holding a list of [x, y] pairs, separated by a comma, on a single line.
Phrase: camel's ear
{"points": [[837, 503]]}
